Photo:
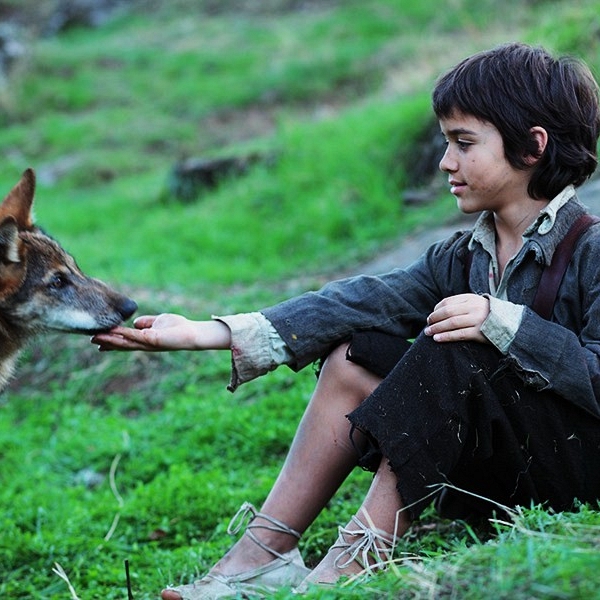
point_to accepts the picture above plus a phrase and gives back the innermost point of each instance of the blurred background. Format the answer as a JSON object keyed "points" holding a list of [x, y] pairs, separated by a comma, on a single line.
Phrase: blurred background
{"points": [[191, 143]]}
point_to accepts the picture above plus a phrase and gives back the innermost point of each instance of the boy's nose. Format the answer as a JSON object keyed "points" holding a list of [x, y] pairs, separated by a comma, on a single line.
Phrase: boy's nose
{"points": [[447, 164]]}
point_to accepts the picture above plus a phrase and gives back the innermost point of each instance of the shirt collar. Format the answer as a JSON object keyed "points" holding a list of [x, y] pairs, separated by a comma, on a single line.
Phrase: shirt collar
{"points": [[484, 231], [545, 221]]}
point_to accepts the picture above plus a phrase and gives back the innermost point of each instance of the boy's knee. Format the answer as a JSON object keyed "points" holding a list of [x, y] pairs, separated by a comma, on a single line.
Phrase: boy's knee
{"points": [[349, 375], [335, 363]]}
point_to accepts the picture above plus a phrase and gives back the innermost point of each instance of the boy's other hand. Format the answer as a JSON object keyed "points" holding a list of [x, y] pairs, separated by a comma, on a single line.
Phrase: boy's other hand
{"points": [[458, 319]]}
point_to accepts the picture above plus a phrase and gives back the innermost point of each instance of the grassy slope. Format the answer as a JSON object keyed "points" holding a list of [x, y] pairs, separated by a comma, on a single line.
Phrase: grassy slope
{"points": [[333, 93], [107, 458]]}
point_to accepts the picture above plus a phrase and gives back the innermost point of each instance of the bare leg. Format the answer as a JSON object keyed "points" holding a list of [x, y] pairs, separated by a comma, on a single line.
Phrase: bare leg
{"points": [[381, 511], [320, 458]]}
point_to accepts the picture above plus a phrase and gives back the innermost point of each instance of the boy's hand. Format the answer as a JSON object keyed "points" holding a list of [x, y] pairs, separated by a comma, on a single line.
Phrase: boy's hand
{"points": [[165, 332], [458, 319]]}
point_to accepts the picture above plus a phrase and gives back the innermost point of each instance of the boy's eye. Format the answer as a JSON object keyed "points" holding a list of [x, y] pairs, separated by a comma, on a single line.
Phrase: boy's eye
{"points": [[462, 144]]}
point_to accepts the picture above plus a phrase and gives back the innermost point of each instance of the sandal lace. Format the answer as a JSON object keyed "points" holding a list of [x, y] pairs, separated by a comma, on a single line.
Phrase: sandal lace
{"points": [[372, 550], [245, 517]]}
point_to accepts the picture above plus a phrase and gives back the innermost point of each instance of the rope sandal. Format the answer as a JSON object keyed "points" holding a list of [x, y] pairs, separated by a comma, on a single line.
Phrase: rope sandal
{"points": [[371, 550], [285, 570]]}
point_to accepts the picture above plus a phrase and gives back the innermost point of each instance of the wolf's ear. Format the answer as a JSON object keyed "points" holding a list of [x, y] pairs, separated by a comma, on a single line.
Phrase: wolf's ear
{"points": [[9, 241], [19, 201]]}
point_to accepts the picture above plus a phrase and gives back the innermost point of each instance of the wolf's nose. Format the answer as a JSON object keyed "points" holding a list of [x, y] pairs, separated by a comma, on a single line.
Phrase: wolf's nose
{"points": [[127, 308]]}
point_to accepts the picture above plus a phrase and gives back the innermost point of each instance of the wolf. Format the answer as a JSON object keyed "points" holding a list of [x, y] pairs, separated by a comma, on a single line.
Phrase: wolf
{"points": [[41, 286]]}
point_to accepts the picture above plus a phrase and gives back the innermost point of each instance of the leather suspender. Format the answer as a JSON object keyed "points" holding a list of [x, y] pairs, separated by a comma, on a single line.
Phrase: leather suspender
{"points": [[553, 274]]}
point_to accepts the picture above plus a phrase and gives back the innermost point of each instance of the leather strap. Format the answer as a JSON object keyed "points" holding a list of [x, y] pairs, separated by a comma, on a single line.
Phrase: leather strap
{"points": [[553, 274]]}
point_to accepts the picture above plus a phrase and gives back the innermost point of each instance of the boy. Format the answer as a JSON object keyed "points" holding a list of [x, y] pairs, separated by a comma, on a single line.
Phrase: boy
{"points": [[492, 398]]}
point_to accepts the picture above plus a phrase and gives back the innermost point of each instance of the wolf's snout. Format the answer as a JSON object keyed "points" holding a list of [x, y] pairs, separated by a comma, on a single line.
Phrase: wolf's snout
{"points": [[126, 308]]}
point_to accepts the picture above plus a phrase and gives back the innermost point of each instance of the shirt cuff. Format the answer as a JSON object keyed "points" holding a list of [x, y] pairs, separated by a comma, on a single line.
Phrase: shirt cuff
{"points": [[256, 347], [503, 322]]}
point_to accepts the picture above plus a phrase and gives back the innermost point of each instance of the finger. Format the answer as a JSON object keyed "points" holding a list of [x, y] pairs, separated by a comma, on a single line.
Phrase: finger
{"points": [[453, 300], [453, 323], [122, 337], [115, 342], [455, 335], [465, 334], [105, 337], [444, 313], [144, 321]]}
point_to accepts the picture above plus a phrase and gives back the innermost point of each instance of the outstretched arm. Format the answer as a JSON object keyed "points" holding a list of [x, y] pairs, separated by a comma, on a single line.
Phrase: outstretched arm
{"points": [[166, 332]]}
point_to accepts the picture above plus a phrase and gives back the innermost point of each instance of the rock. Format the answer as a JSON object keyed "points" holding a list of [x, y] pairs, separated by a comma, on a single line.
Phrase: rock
{"points": [[88, 478], [80, 13], [192, 176], [421, 162], [12, 48], [423, 195]]}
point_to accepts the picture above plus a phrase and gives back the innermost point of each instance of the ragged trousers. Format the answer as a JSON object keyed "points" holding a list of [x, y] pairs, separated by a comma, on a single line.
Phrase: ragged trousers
{"points": [[458, 414]]}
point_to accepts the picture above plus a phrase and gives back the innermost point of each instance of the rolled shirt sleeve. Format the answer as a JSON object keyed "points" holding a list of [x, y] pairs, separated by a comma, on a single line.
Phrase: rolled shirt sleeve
{"points": [[502, 323], [256, 347]]}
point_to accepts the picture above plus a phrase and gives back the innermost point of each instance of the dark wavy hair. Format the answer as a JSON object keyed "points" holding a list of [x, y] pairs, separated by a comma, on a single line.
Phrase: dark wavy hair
{"points": [[516, 87]]}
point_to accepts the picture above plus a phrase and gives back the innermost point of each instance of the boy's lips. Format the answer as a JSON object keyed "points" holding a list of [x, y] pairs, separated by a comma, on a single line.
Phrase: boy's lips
{"points": [[456, 186]]}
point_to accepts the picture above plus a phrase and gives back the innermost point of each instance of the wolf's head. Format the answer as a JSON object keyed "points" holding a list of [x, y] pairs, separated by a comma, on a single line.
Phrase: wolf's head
{"points": [[41, 286]]}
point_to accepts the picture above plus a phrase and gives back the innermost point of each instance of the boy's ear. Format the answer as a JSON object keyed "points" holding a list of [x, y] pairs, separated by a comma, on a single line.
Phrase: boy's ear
{"points": [[539, 141]]}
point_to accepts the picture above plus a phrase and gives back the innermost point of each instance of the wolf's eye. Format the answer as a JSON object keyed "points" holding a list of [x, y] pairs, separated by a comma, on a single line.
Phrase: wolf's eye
{"points": [[58, 281]]}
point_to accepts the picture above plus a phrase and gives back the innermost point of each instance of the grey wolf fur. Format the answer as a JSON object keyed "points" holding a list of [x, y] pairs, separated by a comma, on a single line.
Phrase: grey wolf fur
{"points": [[41, 286]]}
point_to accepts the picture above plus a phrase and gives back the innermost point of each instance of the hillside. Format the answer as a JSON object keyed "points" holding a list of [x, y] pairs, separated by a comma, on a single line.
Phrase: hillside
{"points": [[115, 457], [332, 91]]}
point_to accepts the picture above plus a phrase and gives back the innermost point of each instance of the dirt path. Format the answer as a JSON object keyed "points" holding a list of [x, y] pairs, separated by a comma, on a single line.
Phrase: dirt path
{"points": [[411, 247], [406, 250]]}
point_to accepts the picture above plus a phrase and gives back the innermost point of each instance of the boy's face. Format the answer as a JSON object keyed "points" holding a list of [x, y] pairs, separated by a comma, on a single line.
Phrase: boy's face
{"points": [[479, 175]]}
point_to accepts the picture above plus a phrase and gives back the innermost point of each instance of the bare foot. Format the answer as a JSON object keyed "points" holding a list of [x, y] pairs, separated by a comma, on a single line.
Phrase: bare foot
{"points": [[355, 551], [245, 555], [331, 569]]}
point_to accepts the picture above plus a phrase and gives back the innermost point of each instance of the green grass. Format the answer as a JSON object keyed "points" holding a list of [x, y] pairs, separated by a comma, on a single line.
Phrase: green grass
{"points": [[330, 191], [536, 554], [108, 112], [114, 457]]}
